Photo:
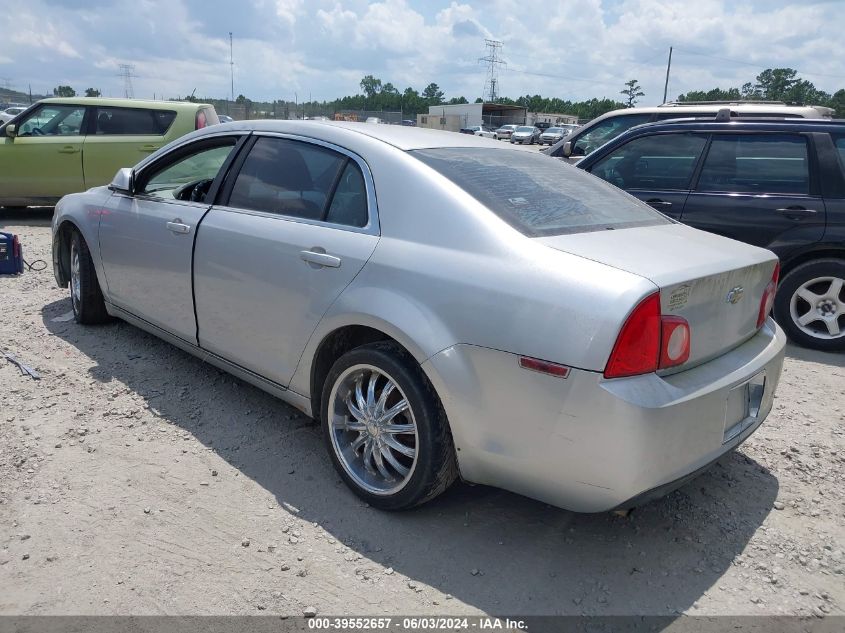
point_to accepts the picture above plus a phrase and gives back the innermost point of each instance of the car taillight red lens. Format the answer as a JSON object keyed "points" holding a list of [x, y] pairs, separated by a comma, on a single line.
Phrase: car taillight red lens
{"points": [[544, 366], [649, 341], [637, 347], [768, 299], [202, 121]]}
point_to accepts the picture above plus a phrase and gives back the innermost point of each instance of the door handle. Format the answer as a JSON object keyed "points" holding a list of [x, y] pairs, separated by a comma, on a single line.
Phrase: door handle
{"points": [[659, 204], [148, 148], [320, 259], [68, 149], [796, 212], [176, 226]]}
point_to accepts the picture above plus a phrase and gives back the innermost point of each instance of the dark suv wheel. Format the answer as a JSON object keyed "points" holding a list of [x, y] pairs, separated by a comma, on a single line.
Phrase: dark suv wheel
{"points": [[810, 304]]}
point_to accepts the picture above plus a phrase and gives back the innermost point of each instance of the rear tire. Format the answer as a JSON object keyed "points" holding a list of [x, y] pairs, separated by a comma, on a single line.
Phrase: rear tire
{"points": [[393, 462], [810, 304], [89, 308]]}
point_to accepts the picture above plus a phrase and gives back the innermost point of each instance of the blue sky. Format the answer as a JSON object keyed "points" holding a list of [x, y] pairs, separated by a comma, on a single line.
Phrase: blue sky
{"points": [[572, 49]]}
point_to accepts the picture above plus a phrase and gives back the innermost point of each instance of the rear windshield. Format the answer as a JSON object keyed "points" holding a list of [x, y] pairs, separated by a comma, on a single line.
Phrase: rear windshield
{"points": [[539, 195]]}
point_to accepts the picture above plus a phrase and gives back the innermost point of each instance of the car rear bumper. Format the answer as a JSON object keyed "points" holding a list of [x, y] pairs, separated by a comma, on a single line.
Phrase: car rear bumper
{"points": [[590, 444]]}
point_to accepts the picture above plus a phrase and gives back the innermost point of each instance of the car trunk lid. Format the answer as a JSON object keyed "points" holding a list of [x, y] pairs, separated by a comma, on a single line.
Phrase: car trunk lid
{"points": [[715, 283]]}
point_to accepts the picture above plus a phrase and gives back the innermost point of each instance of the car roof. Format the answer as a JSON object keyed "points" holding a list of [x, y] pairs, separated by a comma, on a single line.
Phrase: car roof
{"points": [[128, 103], [401, 136], [740, 123]]}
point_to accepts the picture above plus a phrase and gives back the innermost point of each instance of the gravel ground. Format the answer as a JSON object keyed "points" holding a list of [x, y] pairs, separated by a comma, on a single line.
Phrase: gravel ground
{"points": [[135, 479]]}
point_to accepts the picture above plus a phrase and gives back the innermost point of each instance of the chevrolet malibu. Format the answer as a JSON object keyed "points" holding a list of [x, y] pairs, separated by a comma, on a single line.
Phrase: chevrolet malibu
{"points": [[445, 307]]}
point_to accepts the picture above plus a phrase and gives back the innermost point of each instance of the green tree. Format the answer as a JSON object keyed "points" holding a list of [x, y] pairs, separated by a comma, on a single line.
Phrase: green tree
{"points": [[457, 100], [64, 91], [433, 94], [775, 84], [370, 86], [632, 92], [92, 92]]}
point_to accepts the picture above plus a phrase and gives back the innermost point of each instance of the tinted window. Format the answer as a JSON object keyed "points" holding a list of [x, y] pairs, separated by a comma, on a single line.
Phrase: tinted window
{"points": [[53, 120], [349, 203], [137, 121], [605, 131], [199, 167], [756, 163], [839, 141], [536, 194], [287, 177], [662, 161]]}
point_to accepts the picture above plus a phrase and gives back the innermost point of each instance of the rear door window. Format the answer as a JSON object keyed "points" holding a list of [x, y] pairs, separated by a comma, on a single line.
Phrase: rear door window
{"points": [[657, 162], [839, 142], [535, 194], [133, 121], [301, 180], [756, 163]]}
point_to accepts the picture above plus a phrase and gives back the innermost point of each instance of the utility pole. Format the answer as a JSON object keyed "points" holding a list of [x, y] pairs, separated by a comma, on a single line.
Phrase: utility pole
{"points": [[491, 85], [231, 67], [126, 71], [668, 66]]}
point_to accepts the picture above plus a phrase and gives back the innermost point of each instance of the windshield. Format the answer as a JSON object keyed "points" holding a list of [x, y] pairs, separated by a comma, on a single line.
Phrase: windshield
{"points": [[537, 195], [553, 130], [525, 129]]}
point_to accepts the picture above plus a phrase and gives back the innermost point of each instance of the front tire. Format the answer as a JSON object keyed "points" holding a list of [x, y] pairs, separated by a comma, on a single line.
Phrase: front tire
{"points": [[810, 304], [86, 297], [385, 429]]}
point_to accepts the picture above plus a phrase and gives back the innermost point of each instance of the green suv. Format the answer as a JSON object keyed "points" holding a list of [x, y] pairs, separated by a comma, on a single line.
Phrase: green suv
{"points": [[60, 146]]}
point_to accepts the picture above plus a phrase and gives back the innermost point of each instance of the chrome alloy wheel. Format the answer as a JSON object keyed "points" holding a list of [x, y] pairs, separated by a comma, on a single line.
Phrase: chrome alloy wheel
{"points": [[817, 308], [372, 429], [75, 283]]}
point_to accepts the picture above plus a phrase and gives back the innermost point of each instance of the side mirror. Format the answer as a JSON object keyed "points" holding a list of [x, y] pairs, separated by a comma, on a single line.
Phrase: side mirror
{"points": [[11, 130], [567, 149], [123, 182]]}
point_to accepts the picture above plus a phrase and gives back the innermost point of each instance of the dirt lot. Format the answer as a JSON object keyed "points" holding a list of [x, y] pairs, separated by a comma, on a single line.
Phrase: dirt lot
{"points": [[135, 479]]}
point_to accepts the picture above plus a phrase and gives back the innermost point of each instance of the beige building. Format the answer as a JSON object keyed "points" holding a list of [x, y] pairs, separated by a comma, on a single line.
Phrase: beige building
{"points": [[454, 117]]}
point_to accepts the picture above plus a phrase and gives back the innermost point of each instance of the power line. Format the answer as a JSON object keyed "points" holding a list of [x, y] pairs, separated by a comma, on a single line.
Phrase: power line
{"points": [[491, 85], [754, 64]]}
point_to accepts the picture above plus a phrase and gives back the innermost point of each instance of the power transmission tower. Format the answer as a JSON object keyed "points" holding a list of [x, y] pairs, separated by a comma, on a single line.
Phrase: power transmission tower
{"points": [[491, 85], [127, 72]]}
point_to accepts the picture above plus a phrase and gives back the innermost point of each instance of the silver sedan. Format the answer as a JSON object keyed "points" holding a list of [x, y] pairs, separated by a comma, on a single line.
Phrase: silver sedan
{"points": [[445, 306]]}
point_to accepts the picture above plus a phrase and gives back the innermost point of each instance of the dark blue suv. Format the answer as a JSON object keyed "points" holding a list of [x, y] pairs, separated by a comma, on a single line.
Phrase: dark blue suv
{"points": [[779, 184]]}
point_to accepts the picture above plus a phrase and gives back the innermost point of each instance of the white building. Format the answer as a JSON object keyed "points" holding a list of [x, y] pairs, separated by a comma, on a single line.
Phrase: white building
{"points": [[454, 117]]}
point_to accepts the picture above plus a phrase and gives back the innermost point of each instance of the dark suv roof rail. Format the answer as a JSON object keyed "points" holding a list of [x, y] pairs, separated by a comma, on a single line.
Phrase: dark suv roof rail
{"points": [[736, 102]]}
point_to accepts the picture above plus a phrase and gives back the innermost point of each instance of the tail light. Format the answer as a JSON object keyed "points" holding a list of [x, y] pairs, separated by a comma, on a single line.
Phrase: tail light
{"points": [[768, 299], [202, 120], [649, 341], [16, 247]]}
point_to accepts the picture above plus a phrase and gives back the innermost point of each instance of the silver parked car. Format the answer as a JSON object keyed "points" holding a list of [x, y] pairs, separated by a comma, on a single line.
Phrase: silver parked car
{"points": [[505, 131], [525, 134], [443, 306]]}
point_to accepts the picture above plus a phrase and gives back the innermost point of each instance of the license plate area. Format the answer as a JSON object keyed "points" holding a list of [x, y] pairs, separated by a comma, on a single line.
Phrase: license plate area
{"points": [[746, 404]]}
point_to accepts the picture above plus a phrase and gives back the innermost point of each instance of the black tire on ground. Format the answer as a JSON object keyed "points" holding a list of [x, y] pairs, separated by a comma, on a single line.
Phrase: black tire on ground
{"points": [[87, 300], [436, 467], [790, 285]]}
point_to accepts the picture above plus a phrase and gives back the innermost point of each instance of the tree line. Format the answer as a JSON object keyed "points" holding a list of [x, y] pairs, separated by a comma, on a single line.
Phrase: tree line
{"points": [[773, 84]]}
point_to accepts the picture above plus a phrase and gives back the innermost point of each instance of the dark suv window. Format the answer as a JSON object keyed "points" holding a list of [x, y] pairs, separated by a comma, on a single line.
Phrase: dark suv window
{"points": [[133, 121], [605, 131], [661, 161], [756, 163], [301, 180], [839, 141]]}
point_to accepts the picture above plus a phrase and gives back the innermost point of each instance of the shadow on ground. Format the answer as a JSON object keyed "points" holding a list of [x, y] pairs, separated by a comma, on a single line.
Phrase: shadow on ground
{"points": [[25, 216], [531, 558], [835, 359]]}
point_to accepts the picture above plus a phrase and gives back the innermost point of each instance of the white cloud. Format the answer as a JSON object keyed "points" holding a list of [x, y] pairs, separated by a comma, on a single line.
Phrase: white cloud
{"points": [[572, 49]]}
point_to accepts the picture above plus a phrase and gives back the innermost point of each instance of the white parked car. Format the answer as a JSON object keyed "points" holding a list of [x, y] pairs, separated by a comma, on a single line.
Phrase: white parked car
{"points": [[480, 130], [10, 113], [446, 306]]}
